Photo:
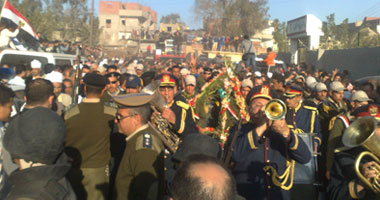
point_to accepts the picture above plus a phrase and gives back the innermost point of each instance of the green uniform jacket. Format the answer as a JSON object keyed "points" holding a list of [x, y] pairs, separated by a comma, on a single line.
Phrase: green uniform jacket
{"points": [[141, 171], [87, 141]]}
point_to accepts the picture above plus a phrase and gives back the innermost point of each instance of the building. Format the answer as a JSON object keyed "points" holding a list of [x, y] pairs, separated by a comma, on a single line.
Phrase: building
{"points": [[122, 22], [264, 39]]}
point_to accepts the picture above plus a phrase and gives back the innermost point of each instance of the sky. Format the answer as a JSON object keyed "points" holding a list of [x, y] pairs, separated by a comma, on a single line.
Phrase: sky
{"points": [[284, 10]]}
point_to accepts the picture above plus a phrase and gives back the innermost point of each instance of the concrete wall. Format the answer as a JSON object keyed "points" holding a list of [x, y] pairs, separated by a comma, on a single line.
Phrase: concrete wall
{"points": [[359, 62]]}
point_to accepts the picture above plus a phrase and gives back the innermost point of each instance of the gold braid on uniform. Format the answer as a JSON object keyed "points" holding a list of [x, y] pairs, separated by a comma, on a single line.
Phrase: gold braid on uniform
{"points": [[280, 181], [331, 123]]}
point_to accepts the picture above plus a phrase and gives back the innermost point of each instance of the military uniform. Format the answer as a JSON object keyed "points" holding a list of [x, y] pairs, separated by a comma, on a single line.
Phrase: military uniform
{"points": [[343, 181], [304, 119], [140, 174], [185, 120], [329, 110], [264, 167], [141, 171], [335, 138], [89, 125]]}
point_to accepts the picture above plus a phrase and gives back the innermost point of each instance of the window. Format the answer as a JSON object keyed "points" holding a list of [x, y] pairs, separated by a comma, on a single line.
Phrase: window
{"points": [[108, 23], [123, 22], [123, 6]]}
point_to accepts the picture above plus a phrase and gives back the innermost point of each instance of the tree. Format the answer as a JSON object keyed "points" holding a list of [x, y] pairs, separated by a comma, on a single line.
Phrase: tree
{"points": [[171, 19], [232, 17], [279, 35]]}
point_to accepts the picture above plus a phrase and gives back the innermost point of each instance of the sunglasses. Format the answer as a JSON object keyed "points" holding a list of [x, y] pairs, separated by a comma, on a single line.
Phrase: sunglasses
{"points": [[120, 117], [113, 82]]}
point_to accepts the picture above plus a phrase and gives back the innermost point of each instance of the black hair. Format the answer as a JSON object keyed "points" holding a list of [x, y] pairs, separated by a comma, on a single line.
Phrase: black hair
{"points": [[19, 69], [279, 78], [93, 89], [187, 186], [38, 91], [5, 94], [111, 67]]}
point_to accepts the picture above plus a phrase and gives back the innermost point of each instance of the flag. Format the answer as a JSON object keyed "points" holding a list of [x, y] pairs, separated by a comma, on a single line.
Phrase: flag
{"points": [[12, 17]]}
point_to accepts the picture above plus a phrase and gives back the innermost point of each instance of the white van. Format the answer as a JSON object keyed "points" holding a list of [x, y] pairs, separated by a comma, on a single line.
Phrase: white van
{"points": [[16, 57]]}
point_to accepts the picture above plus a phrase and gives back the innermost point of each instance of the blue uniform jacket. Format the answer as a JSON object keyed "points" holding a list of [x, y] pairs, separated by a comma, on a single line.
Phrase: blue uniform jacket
{"points": [[249, 157], [304, 119]]}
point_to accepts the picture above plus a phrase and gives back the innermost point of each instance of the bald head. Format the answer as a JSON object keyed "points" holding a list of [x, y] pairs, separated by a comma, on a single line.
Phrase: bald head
{"points": [[203, 177]]}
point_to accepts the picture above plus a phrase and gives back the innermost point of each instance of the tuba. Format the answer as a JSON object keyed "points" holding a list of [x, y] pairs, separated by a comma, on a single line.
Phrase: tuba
{"points": [[275, 109], [160, 124], [363, 133]]}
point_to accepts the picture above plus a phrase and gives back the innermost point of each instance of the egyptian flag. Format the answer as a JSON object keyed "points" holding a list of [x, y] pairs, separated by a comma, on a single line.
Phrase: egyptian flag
{"points": [[12, 18]]}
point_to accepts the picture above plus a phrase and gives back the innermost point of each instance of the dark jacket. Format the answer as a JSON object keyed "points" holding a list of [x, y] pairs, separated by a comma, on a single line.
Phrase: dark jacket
{"points": [[42, 183], [254, 158]]}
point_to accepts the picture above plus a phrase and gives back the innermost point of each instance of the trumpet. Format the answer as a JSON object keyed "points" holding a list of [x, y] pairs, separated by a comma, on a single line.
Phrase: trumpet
{"points": [[363, 133], [275, 109]]}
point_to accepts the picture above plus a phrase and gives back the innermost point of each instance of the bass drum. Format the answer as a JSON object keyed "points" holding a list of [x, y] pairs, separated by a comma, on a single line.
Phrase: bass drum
{"points": [[304, 185]]}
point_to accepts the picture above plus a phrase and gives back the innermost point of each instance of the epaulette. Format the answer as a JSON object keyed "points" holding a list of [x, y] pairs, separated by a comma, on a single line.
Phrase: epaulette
{"points": [[310, 107], [72, 111], [147, 141], [182, 105], [110, 104], [110, 110]]}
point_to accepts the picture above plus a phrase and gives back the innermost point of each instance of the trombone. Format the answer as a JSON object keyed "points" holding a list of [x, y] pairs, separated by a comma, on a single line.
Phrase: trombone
{"points": [[363, 133]]}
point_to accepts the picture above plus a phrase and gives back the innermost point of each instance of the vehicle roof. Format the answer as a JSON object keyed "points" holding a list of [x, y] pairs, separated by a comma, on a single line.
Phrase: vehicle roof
{"points": [[36, 53]]}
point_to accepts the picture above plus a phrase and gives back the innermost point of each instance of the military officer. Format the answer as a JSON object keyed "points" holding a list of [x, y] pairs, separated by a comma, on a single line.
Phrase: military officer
{"points": [[179, 113], [89, 125], [301, 118], [141, 171], [265, 152], [112, 88], [329, 111]]}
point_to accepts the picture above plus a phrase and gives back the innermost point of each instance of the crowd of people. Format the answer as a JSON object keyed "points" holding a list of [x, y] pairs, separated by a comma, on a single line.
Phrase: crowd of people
{"points": [[100, 136]]}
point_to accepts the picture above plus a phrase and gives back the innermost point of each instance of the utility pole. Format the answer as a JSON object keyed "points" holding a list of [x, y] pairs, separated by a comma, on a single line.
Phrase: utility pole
{"points": [[91, 22]]}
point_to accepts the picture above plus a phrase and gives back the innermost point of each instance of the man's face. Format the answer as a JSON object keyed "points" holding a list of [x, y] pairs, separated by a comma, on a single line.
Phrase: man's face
{"points": [[68, 87], [132, 90], [357, 104], [168, 93], [126, 121], [176, 72], [337, 96], [5, 111], [245, 91], [139, 72], [275, 84], [321, 96], [189, 89], [36, 71], [293, 102], [257, 107], [57, 88], [258, 82], [113, 85], [206, 75]]}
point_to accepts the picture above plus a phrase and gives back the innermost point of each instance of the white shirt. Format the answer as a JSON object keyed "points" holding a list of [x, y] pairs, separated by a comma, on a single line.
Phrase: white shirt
{"points": [[5, 36]]}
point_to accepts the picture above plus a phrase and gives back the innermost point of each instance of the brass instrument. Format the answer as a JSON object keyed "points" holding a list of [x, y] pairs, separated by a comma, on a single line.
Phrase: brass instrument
{"points": [[275, 109], [363, 132], [160, 124]]}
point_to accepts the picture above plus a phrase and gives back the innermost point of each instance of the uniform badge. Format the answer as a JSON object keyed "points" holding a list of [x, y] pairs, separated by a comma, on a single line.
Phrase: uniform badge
{"points": [[147, 140], [373, 110], [166, 78], [130, 78]]}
